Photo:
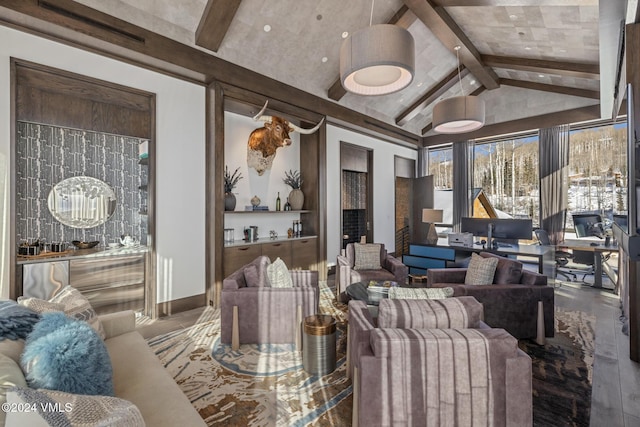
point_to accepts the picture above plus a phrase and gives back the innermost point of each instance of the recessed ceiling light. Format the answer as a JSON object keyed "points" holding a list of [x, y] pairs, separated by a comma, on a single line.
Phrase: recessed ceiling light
{"points": [[267, 28], [527, 48], [513, 16], [563, 50], [319, 17], [420, 84], [472, 82], [325, 59], [540, 75], [345, 34]]}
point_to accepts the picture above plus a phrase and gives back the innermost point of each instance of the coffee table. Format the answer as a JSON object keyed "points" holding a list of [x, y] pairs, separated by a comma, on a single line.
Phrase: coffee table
{"points": [[372, 295]]}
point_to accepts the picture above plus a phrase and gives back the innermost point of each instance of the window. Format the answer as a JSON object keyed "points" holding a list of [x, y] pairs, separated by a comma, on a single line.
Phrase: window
{"points": [[441, 167], [598, 172], [506, 174]]}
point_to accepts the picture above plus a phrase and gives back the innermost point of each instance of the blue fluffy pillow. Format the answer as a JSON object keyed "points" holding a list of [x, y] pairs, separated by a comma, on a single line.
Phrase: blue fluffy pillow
{"points": [[67, 355]]}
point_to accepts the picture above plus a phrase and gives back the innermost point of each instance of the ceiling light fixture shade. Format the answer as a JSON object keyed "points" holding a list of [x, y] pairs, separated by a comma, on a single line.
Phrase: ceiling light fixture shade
{"points": [[458, 114], [377, 60]]}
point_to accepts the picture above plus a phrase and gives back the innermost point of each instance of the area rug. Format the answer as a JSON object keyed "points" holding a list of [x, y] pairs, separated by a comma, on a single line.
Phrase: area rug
{"points": [[258, 385], [265, 385], [563, 371]]}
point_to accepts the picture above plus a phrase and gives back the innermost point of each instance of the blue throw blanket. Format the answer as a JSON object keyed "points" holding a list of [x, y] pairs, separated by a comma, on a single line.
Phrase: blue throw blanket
{"points": [[16, 321]]}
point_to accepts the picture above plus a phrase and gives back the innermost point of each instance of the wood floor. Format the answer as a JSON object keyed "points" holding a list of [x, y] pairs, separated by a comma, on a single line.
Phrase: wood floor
{"points": [[615, 400]]}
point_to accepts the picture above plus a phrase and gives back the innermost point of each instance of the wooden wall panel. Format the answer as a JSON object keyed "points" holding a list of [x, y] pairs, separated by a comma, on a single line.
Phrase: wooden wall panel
{"points": [[60, 98]]}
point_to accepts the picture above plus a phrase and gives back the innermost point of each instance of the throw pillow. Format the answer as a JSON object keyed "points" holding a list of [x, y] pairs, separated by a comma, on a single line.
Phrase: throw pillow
{"points": [[16, 322], [420, 293], [72, 409], [279, 275], [72, 302], [481, 270], [367, 256], [67, 355], [10, 376]]}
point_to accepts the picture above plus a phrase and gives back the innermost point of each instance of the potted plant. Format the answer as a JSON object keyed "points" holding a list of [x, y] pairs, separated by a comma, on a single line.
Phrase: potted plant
{"points": [[230, 182], [296, 197]]}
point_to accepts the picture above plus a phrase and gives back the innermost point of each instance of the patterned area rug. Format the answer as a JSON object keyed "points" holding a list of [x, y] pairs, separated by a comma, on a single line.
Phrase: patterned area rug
{"points": [[265, 385], [563, 371], [258, 385]]}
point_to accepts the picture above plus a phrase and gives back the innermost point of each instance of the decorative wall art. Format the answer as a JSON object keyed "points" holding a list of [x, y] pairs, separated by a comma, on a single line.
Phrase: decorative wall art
{"points": [[264, 141]]}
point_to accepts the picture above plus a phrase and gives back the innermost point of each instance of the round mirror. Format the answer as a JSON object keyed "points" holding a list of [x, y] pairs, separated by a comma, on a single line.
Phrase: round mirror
{"points": [[82, 202]]}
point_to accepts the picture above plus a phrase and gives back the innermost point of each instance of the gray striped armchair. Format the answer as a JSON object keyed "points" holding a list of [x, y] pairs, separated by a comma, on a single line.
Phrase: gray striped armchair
{"points": [[435, 360]]}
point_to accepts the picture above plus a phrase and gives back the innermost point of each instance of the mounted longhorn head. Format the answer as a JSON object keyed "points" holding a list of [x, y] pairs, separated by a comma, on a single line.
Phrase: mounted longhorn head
{"points": [[264, 141]]}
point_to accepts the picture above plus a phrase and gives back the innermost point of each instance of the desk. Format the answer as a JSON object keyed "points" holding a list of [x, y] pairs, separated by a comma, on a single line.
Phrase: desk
{"points": [[430, 255], [585, 245]]}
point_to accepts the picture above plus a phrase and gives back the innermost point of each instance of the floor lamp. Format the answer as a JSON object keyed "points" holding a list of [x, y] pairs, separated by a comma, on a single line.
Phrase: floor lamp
{"points": [[431, 216]]}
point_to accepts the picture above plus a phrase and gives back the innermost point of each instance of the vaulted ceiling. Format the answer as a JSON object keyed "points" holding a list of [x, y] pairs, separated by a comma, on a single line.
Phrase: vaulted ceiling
{"points": [[523, 57]]}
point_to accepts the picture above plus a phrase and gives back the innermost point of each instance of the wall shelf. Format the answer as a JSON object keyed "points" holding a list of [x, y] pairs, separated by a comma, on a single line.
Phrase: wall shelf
{"points": [[267, 212]]}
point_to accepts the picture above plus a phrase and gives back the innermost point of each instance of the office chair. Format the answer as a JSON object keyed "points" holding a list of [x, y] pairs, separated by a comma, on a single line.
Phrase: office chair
{"points": [[561, 257], [588, 225]]}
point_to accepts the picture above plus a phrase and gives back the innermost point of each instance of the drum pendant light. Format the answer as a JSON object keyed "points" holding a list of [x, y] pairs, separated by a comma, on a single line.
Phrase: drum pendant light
{"points": [[458, 114], [377, 60]]}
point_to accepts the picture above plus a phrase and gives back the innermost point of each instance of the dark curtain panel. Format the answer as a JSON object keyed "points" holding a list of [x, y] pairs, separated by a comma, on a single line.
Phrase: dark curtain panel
{"points": [[423, 161], [554, 165], [462, 185]]}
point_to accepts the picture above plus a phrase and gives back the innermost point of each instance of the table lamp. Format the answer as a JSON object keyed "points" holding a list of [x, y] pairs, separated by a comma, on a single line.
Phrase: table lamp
{"points": [[431, 216]]}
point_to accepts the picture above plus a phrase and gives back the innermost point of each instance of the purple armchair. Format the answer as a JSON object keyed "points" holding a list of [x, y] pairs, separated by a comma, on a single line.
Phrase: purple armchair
{"points": [[408, 371], [513, 300], [253, 312], [391, 269]]}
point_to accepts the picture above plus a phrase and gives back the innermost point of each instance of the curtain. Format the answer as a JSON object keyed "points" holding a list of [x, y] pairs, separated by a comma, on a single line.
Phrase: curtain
{"points": [[423, 162], [553, 167], [462, 181]]}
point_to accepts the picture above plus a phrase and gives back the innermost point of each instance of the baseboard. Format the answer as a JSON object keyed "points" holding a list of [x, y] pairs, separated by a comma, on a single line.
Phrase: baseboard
{"points": [[179, 305]]}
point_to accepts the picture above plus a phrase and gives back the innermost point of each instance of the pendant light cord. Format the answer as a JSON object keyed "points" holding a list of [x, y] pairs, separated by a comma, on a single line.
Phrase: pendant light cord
{"points": [[371, 16], [457, 48]]}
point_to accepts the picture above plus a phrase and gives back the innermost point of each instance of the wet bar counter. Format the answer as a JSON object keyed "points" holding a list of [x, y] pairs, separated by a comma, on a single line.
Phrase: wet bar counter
{"points": [[112, 279]]}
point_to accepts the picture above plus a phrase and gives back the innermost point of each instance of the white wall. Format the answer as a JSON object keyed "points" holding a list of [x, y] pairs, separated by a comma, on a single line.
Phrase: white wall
{"points": [[383, 187], [237, 129], [180, 150]]}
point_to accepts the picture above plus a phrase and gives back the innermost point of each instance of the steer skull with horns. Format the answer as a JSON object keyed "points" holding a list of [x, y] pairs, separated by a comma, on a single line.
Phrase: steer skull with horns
{"points": [[264, 141]]}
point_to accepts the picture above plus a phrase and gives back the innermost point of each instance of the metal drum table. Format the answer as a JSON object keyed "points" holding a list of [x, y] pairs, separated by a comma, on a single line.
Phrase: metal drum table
{"points": [[319, 344]]}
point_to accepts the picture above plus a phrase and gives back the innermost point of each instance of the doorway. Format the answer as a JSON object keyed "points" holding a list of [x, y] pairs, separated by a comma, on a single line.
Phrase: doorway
{"points": [[356, 165]]}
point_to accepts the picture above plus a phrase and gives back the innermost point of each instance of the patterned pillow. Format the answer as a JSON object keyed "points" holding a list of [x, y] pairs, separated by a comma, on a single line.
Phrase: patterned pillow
{"points": [[367, 256], [481, 270], [420, 293], [279, 275], [72, 302], [75, 409]]}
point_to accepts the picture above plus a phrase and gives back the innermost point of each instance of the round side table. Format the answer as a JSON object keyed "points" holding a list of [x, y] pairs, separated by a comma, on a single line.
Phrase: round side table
{"points": [[319, 344]]}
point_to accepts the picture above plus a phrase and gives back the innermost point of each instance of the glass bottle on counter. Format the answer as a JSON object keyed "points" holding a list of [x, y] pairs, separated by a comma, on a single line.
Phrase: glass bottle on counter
{"points": [[299, 228], [287, 206], [278, 202]]}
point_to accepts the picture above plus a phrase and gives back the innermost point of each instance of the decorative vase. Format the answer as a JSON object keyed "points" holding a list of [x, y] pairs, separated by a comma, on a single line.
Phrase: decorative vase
{"points": [[296, 198], [229, 201]]}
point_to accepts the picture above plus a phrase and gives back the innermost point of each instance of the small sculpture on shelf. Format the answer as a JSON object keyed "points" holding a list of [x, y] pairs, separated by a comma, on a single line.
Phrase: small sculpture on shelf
{"points": [[296, 197], [230, 182]]}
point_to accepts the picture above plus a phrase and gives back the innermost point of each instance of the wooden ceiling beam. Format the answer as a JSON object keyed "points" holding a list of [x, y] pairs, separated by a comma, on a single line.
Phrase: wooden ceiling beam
{"points": [[451, 35], [74, 24], [429, 126], [432, 94], [584, 93], [520, 3], [215, 22], [575, 115], [402, 18], [569, 69]]}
